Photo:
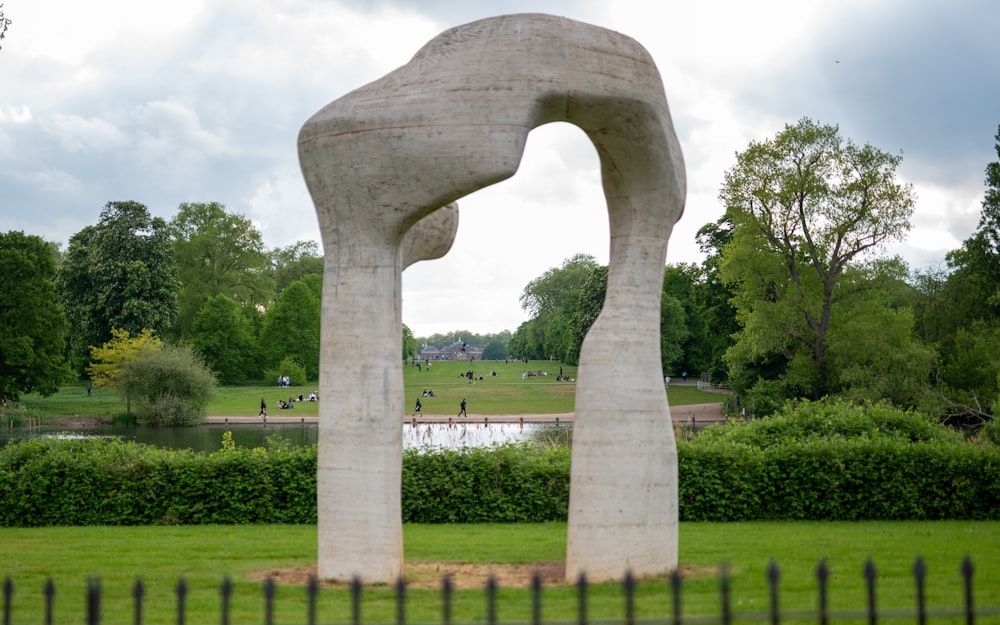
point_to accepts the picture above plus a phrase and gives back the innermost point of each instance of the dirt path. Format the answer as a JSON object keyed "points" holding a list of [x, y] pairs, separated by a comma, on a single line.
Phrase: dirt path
{"points": [[700, 413]]}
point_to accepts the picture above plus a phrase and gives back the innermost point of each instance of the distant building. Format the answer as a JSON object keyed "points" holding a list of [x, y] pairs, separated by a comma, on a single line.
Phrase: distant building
{"points": [[459, 350]]}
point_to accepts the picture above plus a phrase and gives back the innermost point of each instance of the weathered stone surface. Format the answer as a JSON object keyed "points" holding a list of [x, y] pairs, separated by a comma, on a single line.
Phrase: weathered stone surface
{"points": [[451, 121], [432, 236]]}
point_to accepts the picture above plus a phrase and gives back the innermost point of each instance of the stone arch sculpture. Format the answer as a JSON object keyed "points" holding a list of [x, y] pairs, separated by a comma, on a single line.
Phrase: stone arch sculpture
{"points": [[383, 158]]}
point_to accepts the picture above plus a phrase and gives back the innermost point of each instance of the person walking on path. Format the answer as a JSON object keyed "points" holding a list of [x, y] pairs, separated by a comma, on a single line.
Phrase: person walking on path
{"points": [[263, 408], [462, 412]]}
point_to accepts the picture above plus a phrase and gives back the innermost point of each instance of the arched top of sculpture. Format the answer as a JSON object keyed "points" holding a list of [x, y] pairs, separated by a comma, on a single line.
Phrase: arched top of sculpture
{"points": [[455, 119]]}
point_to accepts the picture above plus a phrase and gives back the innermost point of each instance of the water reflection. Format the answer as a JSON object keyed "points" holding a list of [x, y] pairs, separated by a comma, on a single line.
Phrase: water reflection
{"points": [[208, 438]]}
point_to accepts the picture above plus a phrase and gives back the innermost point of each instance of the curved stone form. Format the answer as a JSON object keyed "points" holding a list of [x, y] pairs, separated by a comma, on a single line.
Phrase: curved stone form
{"points": [[451, 121], [432, 236]]}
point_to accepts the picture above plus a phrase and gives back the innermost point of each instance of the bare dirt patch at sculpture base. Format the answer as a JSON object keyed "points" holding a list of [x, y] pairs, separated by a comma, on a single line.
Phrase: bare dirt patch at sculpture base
{"points": [[464, 575]]}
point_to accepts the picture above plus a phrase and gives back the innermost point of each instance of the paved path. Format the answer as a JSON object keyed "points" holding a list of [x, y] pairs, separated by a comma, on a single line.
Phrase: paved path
{"points": [[700, 413]]}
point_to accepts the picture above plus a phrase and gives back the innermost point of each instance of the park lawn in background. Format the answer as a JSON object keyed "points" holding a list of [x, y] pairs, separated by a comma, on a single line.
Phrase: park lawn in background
{"points": [[204, 555], [505, 393]]}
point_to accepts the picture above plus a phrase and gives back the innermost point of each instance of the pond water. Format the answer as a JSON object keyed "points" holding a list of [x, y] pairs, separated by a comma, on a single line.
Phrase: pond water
{"points": [[208, 438]]}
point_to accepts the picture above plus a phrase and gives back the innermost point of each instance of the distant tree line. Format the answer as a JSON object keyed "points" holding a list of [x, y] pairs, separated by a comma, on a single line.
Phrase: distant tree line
{"points": [[794, 298]]}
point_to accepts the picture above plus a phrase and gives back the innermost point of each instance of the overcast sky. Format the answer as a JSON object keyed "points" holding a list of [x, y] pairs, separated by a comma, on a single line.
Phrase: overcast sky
{"points": [[201, 100]]}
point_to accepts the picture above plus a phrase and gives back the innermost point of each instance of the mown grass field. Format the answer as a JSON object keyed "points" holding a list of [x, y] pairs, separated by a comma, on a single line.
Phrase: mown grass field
{"points": [[204, 555], [505, 393]]}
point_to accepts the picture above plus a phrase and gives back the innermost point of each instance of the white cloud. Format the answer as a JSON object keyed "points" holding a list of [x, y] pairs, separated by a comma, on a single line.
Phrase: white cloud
{"points": [[201, 100]]}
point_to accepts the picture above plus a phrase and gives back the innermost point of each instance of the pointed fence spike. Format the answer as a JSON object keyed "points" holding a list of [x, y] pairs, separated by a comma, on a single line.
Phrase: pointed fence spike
{"points": [[536, 598], [773, 575], [181, 599], [725, 599], [491, 600], [675, 594], [967, 571], [312, 596], [628, 585], [581, 587], [356, 600], [269, 592], [8, 594], [93, 601], [919, 578], [138, 592], [400, 601], [870, 576], [225, 597], [50, 599], [446, 595], [822, 579]]}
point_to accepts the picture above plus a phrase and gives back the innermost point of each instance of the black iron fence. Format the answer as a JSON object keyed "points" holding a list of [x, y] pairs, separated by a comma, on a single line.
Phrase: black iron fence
{"points": [[870, 613]]}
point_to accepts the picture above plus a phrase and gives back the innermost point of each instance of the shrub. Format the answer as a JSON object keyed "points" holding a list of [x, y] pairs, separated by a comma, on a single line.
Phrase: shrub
{"points": [[171, 386], [832, 419], [288, 366]]}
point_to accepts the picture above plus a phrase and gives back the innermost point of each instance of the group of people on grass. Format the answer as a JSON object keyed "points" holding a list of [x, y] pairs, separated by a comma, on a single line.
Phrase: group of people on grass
{"points": [[285, 405]]}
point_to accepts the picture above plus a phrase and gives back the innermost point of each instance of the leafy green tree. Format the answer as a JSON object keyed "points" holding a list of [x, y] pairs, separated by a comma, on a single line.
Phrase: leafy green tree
{"points": [[291, 328], [682, 282], [294, 262], [969, 378], [223, 337], [809, 210], [673, 322], [119, 273], [713, 301], [410, 345], [217, 253], [495, 350], [523, 343], [171, 385], [5, 22], [976, 265], [589, 304], [32, 322], [290, 368], [958, 310], [109, 361], [551, 300]]}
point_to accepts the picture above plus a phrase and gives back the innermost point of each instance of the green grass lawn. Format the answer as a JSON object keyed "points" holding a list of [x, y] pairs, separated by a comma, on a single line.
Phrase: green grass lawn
{"points": [[204, 555], [505, 393]]}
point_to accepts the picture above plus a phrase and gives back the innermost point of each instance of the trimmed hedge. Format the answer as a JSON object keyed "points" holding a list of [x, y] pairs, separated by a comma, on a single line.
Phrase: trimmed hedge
{"points": [[505, 484], [111, 482], [847, 480]]}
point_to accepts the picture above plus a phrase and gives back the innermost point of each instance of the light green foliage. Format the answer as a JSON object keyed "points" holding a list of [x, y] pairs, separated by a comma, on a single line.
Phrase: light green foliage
{"points": [[552, 300], [109, 361], [217, 253], [119, 273], [808, 210], [291, 328], [291, 368], [224, 338], [962, 311], [798, 422], [171, 386], [32, 322], [294, 262], [410, 345], [495, 350], [674, 332]]}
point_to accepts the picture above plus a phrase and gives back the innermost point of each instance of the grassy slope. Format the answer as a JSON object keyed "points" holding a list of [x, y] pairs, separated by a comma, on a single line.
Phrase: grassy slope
{"points": [[506, 393], [204, 554]]}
